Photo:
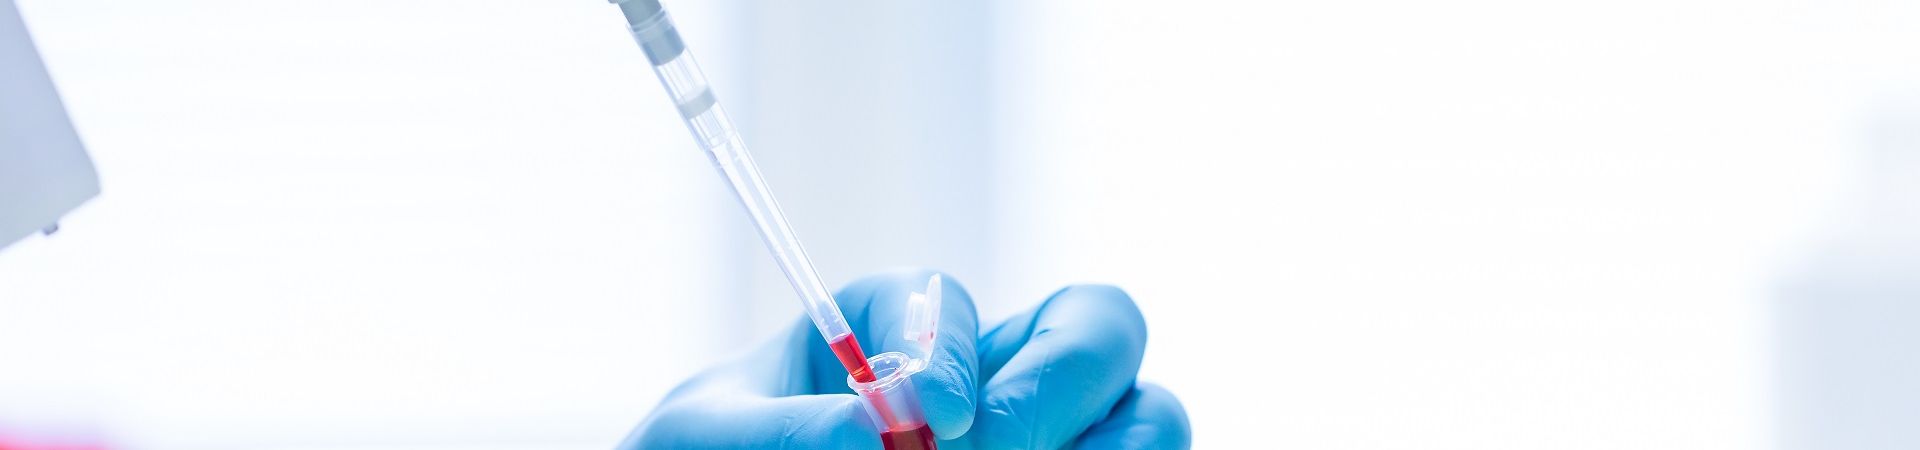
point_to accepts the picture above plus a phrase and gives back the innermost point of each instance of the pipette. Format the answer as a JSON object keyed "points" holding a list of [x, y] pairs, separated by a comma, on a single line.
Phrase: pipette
{"points": [[891, 399], [714, 132]]}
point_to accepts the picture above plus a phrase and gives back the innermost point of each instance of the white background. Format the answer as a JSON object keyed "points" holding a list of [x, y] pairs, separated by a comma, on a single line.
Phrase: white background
{"points": [[1483, 224]]}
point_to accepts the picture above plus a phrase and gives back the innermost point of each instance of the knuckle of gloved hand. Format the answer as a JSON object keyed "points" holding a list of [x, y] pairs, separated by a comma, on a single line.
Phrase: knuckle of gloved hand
{"points": [[1113, 303]]}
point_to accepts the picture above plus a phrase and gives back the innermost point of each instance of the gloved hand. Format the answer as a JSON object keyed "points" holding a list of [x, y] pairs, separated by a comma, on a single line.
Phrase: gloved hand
{"points": [[1058, 376]]}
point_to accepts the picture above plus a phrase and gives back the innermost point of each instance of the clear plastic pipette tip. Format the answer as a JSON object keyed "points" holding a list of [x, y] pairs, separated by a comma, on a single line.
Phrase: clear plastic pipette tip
{"points": [[687, 86]]}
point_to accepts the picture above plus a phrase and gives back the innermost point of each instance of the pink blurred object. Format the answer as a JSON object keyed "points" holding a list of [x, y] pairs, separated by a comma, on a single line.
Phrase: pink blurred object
{"points": [[14, 441]]}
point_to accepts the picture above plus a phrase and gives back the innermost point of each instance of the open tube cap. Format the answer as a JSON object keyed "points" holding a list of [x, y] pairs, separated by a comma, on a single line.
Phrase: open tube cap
{"points": [[923, 319]]}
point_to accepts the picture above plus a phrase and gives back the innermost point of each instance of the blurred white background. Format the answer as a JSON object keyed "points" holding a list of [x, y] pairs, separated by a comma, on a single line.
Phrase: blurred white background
{"points": [[1379, 224]]}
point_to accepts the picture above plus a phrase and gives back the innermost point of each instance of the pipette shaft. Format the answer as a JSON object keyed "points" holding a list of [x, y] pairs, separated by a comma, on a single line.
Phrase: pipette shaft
{"points": [[714, 132]]}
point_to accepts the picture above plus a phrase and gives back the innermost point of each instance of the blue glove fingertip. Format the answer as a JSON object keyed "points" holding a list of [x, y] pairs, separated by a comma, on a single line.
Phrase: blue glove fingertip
{"points": [[1056, 371], [1148, 417]]}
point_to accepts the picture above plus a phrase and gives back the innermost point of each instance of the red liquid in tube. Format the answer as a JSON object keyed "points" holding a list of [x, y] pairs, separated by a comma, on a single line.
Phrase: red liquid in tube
{"points": [[914, 439], [848, 350]]}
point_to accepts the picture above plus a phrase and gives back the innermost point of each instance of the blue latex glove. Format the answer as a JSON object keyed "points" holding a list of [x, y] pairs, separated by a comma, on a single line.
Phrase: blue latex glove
{"points": [[1058, 376]]}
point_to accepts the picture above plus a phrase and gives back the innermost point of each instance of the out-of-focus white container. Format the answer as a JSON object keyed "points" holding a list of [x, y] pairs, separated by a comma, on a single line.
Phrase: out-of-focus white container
{"points": [[1848, 320]]}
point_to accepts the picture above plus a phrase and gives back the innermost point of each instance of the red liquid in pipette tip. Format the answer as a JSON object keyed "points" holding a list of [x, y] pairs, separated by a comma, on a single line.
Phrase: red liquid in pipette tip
{"points": [[848, 350]]}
